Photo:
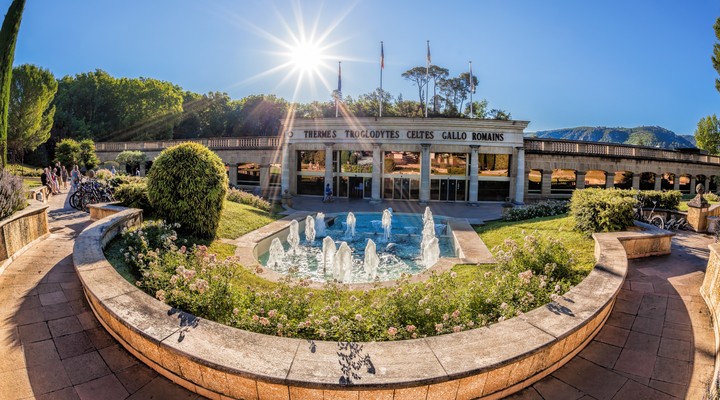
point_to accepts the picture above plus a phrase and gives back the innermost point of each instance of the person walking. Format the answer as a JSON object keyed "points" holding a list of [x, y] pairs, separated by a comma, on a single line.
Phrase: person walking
{"points": [[64, 177], [54, 177], [75, 178]]}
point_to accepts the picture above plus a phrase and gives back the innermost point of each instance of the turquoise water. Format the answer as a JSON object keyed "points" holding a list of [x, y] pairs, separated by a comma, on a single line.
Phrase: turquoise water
{"points": [[397, 256]]}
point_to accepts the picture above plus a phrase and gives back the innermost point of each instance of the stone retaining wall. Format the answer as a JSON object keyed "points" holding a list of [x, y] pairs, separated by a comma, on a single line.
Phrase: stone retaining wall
{"points": [[215, 360], [20, 230], [710, 291]]}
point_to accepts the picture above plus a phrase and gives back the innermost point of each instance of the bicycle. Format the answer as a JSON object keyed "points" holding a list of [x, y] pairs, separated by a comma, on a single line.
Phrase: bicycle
{"points": [[655, 220], [90, 191]]}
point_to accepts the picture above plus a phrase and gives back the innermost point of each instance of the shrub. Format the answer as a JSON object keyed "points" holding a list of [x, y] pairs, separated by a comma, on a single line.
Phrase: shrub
{"points": [[118, 180], [710, 196], [542, 209], [239, 196], [103, 174], [134, 194], [602, 210], [187, 184], [669, 200], [12, 194]]}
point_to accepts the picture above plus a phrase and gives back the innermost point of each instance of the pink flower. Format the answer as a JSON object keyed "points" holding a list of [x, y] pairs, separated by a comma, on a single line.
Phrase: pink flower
{"points": [[392, 331], [457, 328], [160, 295], [272, 313], [255, 318], [358, 317], [334, 320], [264, 321], [236, 311], [438, 327], [456, 314], [410, 328]]}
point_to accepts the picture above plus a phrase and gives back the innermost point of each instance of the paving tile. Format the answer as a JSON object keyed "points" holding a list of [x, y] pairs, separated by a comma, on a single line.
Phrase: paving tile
{"points": [[85, 367], [636, 391], [604, 385], [161, 388], [652, 306], [670, 370], [636, 362], [56, 311], [652, 326], [39, 353], [48, 377], [117, 358], [612, 335], [135, 377], [643, 342], [526, 394], [678, 317], [88, 320], [601, 353], [677, 349], [552, 388], [106, 388], [628, 307], [643, 287], [73, 344], [34, 332], [620, 320], [672, 389], [64, 326], [100, 338], [62, 394]]}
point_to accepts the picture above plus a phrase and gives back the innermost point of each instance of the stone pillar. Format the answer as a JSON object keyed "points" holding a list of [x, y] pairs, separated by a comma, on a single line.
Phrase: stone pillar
{"points": [[377, 173], [636, 181], [473, 189], [658, 181], [546, 183], [425, 174], [232, 176], [609, 180], [692, 184], [676, 181], [142, 168], [264, 177], [580, 179], [520, 177], [285, 173], [329, 173]]}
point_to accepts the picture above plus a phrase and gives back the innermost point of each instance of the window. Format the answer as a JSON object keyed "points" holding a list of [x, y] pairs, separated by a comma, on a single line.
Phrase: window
{"points": [[248, 174], [494, 164]]}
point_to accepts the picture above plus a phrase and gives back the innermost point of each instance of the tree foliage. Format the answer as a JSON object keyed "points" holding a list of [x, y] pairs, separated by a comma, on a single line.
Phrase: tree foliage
{"points": [[716, 53], [8, 38], [70, 152], [131, 157], [87, 155], [30, 115], [707, 134]]}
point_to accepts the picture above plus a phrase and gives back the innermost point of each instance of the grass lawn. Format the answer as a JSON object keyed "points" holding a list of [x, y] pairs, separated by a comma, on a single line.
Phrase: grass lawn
{"points": [[684, 207], [24, 170], [31, 182]]}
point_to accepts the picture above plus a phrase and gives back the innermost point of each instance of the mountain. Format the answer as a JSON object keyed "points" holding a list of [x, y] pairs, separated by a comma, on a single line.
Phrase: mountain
{"points": [[652, 136], [690, 138]]}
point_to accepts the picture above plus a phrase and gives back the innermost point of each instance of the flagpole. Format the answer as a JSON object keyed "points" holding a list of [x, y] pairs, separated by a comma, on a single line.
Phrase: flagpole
{"points": [[427, 79], [339, 91], [382, 66], [472, 87]]}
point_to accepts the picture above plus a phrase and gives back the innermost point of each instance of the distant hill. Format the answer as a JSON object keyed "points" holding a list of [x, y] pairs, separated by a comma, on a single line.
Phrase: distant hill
{"points": [[652, 136], [690, 138]]}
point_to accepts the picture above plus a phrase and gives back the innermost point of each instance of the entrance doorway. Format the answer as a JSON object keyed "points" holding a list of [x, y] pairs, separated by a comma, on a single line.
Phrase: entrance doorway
{"points": [[448, 189], [401, 188], [356, 189]]}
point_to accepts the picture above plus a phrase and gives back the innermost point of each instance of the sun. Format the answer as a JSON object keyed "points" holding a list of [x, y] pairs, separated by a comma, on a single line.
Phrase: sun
{"points": [[306, 57]]}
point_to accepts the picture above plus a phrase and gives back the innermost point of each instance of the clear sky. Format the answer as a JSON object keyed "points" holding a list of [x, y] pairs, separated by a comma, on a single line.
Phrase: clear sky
{"points": [[555, 63]]}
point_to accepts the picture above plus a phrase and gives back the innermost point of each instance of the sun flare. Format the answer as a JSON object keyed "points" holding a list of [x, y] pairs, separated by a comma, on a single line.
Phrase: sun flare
{"points": [[306, 57]]}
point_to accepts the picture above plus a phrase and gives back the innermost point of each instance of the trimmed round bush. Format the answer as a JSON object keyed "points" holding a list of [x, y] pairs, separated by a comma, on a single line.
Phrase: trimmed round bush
{"points": [[134, 194], [187, 184]]}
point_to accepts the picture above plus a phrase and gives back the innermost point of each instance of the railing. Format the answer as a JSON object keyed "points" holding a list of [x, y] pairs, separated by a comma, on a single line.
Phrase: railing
{"points": [[553, 146], [252, 142]]}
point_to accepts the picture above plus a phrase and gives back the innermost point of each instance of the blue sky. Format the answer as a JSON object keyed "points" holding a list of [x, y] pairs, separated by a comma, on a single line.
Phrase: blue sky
{"points": [[554, 63]]}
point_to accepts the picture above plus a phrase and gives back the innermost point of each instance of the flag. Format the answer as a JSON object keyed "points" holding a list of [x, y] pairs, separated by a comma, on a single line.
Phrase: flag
{"points": [[339, 78], [382, 56], [472, 81], [429, 60]]}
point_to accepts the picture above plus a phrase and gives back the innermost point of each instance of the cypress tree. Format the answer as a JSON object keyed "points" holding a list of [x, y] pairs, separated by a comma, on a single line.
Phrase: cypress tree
{"points": [[716, 53], [8, 38]]}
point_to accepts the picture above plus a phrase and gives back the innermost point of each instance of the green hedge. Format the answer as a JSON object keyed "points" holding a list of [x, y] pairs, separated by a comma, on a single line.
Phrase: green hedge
{"points": [[187, 184], [542, 209], [238, 196], [669, 200], [134, 194], [602, 210]]}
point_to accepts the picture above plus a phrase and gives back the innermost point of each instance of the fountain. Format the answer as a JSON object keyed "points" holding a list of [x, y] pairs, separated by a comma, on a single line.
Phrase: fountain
{"points": [[387, 224], [431, 252], [310, 229], [371, 260], [342, 264], [320, 225], [328, 253], [350, 225], [427, 252], [277, 253], [428, 215], [294, 237]]}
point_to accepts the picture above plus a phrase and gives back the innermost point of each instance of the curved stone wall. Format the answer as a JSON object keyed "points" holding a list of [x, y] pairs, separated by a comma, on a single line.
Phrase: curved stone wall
{"points": [[710, 291], [215, 360], [20, 230]]}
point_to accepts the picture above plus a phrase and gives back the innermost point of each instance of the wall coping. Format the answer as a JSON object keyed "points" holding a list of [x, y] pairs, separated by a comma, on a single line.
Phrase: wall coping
{"points": [[498, 360]]}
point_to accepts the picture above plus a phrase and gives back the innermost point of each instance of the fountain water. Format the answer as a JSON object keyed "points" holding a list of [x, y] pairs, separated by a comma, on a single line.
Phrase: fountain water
{"points": [[328, 253], [320, 225], [294, 237], [428, 215], [428, 234], [277, 253], [371, 260], [350, 225], [310, 229], [431, 252], [342, 264], [387, 224]]}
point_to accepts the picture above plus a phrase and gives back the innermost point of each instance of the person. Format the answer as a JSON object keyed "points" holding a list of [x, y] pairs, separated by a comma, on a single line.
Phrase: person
{"points": [[64, 177], [328, 193], [112, 170], [44, 179], [75, 176], [137, 171], [54, 177]]}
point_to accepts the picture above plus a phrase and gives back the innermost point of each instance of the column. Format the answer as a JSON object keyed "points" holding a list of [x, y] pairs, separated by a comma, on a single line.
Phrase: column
{"points": [[658, 182], [609, 180], [425, 174], [546, 183], [264, 177], [473, 189], [285, 173], [580, 179], [520, 177], [376, 174], [329, 167], [232, 176], [636, 181], [676, 181], [693, 182], [142, 168]]}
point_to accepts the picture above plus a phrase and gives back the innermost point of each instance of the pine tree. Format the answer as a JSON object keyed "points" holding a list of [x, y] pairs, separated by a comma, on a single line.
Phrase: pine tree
{"points": [[716, 53], [8, 38]]}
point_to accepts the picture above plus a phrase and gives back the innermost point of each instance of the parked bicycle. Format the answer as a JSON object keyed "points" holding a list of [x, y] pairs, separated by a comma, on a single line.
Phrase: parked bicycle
{"points": [[90, 191], [652, 219]]}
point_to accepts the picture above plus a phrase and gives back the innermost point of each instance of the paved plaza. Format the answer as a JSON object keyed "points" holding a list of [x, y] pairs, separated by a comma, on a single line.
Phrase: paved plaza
{"points": [[657, 344]]}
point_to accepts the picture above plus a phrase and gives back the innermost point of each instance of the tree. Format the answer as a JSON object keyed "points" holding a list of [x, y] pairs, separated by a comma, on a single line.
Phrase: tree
{"points": [[31, 113], [131, 158], [499, 114], [437, 74], [87, 154], [707, 134], [8, 38], [716, 53], [480, 110], [418, 76], [67, 152]]}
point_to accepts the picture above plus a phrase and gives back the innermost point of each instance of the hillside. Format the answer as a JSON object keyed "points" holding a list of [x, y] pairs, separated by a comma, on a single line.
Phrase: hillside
{"points": [[653, 136]]}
